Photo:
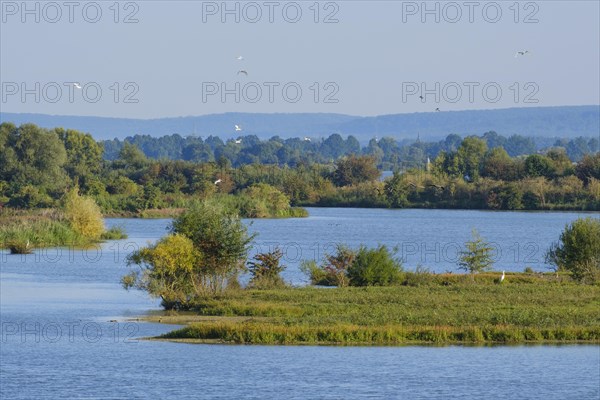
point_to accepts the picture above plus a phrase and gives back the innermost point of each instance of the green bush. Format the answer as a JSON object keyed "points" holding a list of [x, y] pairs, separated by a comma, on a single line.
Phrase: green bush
{"points": [[578, 249], [114, 233], [375, 267]]}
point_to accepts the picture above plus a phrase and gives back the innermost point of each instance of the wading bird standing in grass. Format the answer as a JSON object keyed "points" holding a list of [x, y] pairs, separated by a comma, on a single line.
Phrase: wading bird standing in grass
{"points": [[502, 277]]}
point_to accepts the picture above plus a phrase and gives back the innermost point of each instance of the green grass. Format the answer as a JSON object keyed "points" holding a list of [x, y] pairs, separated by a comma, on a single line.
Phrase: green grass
{"points": [[114, 233], [37, 231], [461, 312], [22, 231]]}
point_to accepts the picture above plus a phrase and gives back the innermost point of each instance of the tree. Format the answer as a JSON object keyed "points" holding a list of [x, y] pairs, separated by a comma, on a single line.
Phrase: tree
{"points": [[374, 267], [263, 201], [30, 155], [477, 257], [266, 270], [498, 165], [396, 191], [84, 154], [220, 237], [132, 157], [517, 145], [578, 249], [588, 167], [355, 169], [469, 154], [83, 215], [170, 270], [336, 266], [538, 165]]}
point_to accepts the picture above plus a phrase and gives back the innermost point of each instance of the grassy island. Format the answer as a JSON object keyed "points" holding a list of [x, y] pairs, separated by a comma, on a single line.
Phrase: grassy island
{"points": [[526, 308]]}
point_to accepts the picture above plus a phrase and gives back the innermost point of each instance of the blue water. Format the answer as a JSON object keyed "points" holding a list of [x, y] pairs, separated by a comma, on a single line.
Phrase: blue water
{"points": [[68, 329]]}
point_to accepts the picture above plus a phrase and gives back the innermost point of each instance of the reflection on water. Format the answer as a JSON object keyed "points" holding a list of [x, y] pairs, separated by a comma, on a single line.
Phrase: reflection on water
{"points": [[67, 328]]}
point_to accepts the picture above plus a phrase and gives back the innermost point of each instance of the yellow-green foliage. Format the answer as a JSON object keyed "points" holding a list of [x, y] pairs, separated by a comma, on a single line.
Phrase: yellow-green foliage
{"points": [[23, 231], [169, 270], [83, 215]]}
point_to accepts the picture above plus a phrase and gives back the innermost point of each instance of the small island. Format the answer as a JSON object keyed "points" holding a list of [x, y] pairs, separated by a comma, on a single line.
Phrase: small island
{"points": [[373, 300]]}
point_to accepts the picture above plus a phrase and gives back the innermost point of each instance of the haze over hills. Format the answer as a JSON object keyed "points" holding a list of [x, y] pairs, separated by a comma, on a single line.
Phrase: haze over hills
{"points": [[565, 121]]}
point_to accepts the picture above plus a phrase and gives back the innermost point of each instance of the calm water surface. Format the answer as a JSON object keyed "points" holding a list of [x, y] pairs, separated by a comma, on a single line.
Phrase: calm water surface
{"points": [[67, 333]]}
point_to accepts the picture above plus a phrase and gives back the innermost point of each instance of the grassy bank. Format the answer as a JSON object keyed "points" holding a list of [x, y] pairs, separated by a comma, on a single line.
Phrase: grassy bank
{"points": [[525, 309], [23, 230]]}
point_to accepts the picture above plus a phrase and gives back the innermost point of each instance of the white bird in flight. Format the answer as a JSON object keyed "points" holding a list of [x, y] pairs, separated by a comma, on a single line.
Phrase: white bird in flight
{"points": [[238, 128], [306, 139], [238, 141], [240, 58], [522, 53], [241, 71], [218, 181], [77, 85]]}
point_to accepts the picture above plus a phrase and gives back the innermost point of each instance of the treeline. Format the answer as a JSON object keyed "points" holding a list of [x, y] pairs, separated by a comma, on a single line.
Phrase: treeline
{"points": [[38, 166], [389, 153]]}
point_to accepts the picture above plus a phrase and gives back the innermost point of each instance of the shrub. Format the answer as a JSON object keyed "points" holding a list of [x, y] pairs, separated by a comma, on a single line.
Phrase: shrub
{"points": [[220, 237], [334, 271], [478, 255], [114, 233], [578, 249], [170, 270], [83, 215], [375, 267], [265, 270]]}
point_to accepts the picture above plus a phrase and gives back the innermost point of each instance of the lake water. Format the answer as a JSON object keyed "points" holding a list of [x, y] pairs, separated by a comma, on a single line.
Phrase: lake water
{"points": [[66, 329]]}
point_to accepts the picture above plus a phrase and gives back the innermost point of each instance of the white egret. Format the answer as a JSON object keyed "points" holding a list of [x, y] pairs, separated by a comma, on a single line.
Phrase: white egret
{"points": [[218, 181]]}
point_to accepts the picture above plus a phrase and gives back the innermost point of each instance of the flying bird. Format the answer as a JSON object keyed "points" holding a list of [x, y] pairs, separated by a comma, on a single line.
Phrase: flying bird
{"points": [[238, 141], [238, 128], [437, 110], [242, 71], [77, 85], [218, 181], [306, 139], [522, 53], [240, 58], [421, 97]]}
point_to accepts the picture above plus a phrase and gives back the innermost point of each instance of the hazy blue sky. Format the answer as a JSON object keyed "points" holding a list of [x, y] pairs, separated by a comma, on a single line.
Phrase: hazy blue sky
{"points": [[370, 56]]}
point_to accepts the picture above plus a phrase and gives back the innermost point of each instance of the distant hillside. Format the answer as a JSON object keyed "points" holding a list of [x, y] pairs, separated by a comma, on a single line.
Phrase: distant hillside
{"points": [[566, 122]]}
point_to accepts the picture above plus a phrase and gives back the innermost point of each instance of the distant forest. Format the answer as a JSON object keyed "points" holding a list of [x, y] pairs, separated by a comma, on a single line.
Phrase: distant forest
{"points": [[254, 178], [389, 153]]}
